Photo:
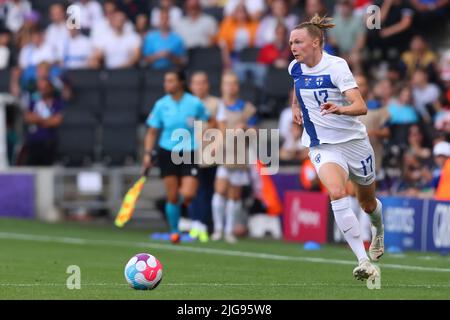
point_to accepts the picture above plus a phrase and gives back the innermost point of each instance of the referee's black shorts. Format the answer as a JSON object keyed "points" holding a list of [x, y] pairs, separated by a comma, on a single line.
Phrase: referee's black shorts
{"points": [[169, 168]]}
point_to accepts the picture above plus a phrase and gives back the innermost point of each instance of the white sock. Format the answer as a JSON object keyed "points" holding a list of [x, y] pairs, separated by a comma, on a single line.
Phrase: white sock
{"points": [[202, 227], [376, 218], [218, 210], [232, 211], [198, 225], [364, 225], [364, 221], [349, 225]]}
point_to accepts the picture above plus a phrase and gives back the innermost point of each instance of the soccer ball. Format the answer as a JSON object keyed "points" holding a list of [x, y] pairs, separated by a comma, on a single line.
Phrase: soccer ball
{"points": [[143, 272]]}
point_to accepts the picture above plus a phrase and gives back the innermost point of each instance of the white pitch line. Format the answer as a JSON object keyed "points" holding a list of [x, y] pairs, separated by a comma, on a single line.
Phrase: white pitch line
{"points": [[227, 285], [184, 248]]}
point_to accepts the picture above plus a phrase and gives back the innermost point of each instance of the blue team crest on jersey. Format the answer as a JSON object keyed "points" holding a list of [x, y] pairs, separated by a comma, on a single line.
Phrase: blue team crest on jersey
{"points": [[317, 158], [319, 81]]}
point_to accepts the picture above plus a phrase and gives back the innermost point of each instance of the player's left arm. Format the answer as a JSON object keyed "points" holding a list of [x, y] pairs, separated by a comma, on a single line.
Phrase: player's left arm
{"points": [[357, 106]]}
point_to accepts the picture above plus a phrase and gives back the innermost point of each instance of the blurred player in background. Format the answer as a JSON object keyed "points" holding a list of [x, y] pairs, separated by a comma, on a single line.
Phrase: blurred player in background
{"points": [[200, 209], [330, 102], [234, 113], [176, 110]]}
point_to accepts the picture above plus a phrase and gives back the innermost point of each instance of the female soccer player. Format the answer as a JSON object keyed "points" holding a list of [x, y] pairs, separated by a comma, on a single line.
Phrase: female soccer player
{"points": [[233, 114], [330, 102], [177, 110]]}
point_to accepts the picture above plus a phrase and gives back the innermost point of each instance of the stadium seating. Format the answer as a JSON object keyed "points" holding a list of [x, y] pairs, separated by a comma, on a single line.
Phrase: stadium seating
{"points": [[77, 143], [153, 90], [206, 59], [249, 55], [118, 140], [277, 85]]}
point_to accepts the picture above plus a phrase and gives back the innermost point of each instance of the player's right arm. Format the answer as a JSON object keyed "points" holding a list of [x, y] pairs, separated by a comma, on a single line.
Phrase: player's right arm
{"points": [[296, 113]]}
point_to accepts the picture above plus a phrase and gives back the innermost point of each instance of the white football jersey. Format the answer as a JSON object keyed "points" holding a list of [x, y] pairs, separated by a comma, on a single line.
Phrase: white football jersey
{"points": [[325, 82]]}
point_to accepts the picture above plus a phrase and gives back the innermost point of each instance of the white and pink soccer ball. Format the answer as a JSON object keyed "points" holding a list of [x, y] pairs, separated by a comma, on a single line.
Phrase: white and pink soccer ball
{"points": [[143, 272]]}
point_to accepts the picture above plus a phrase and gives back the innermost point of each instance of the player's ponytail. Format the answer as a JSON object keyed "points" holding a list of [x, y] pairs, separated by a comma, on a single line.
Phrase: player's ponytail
{"points": [[322, 23], [316, 26]]}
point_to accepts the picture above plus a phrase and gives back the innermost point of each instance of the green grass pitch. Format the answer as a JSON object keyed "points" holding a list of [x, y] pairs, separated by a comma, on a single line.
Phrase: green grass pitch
{"points": [[34, 257]]}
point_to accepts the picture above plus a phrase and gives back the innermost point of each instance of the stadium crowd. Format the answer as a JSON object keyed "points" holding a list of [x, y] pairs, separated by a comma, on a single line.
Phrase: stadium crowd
{"points": [[402, 68]]}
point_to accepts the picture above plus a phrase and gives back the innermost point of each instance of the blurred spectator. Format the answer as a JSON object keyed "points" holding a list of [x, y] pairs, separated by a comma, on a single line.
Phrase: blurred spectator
{"points": [[104, 25], [31, 22], [142, 26], [133, 8], [442, 118], [383, 92], [43, 118], [311, 8], [5, 50], [196, 28], [394, 73], [348, 35], [441, 152], [211, 3], [419, 56], [90, 13], [376, 121], [402, 109], [292, 149], [417, 146], [430, 13], [361, 6], [30, 56], [200, 209], [393, 38], [277, 54], [78, 51], [199, 86], [57, 33], [425, 94], [163, 48], [175, 13], [255, 8], [3, 12], [444, 66], [279, 13], [236, 32], [16, 10], [118, 48], [45, 70], [233, 114], [416, 180]]}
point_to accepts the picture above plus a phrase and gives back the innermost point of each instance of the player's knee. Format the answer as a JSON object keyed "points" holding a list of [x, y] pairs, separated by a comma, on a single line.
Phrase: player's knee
{"points": [[187, 196], [172, 199], [368, 206], [337, 192]]}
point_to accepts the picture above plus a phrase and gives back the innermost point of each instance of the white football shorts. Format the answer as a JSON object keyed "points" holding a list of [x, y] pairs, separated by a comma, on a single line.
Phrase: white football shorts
{"points": [[356, 157], [236, 177]]}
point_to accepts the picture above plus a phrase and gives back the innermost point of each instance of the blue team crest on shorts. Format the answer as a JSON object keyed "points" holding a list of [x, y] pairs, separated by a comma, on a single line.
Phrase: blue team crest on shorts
{"points": [[317, 158]]}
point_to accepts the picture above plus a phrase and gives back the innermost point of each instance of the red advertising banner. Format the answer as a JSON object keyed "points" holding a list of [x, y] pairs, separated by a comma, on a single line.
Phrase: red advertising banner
{"points": [[305, 216]]}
